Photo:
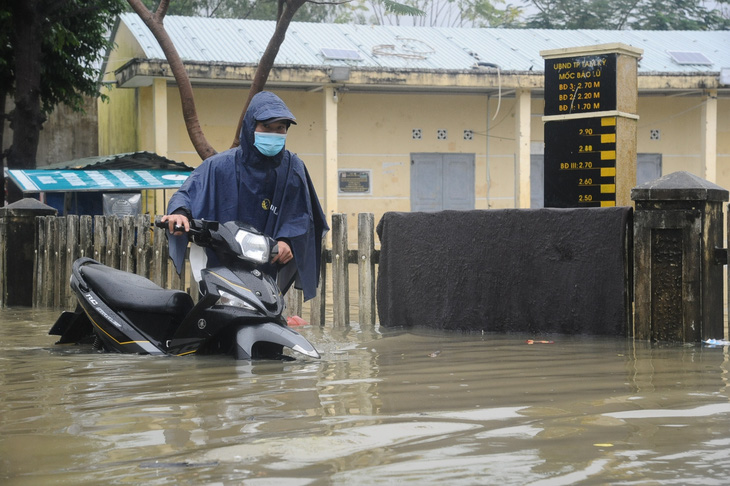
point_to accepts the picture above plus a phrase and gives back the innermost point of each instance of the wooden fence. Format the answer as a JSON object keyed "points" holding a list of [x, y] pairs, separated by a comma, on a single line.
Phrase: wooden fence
{"points": [[134, 245]]}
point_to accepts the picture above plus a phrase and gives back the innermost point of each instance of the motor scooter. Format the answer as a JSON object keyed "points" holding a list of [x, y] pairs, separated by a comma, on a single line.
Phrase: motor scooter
{"points": [[239, 311]]}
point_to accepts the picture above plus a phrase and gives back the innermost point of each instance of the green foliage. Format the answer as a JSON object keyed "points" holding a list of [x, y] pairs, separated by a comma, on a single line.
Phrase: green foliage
{"points": [[254, 9], [74, 36], [626, 14], [402, 8], [73, 48], [442, 13], [6, 48]]}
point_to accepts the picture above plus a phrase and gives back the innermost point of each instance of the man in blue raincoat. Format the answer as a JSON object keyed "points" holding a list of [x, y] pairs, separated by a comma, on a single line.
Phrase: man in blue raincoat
{"points": [[262, 184]]}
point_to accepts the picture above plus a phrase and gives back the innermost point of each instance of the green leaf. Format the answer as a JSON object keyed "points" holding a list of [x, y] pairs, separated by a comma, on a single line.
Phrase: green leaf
{"points": [[401, 9]]}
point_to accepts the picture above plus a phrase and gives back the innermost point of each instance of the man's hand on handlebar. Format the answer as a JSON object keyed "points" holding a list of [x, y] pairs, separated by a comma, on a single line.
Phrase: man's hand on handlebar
{"points": [[177, 223], [284, 255]]}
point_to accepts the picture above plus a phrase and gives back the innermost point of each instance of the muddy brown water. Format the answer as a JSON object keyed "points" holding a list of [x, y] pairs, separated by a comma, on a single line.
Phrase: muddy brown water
{"points": [[380, 407]]}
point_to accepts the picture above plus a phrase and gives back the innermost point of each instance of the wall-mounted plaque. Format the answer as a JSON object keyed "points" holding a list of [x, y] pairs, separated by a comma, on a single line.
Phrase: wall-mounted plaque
{"points": [[354, 181]]}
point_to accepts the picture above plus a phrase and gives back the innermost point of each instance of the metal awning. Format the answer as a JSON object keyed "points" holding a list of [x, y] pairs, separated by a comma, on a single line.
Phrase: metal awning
{"points": [[133, 171], [75, 180]]}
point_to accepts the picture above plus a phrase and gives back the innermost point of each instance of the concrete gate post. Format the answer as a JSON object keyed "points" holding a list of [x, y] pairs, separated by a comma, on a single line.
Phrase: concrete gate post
{"points": [[17, 237], [678, 259]]}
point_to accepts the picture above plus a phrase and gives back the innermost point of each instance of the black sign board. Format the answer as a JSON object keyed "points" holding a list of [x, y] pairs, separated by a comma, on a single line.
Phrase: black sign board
{"points": [[354, 181], [580, 162], [583, 84]]}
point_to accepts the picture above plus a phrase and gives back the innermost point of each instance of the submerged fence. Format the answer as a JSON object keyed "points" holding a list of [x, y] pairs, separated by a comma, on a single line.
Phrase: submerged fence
{"points": [[134, 245], [672, 256]]}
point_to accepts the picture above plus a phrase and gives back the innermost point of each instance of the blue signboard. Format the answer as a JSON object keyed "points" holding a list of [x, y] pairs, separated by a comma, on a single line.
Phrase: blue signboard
{"points": [[40, 180]]}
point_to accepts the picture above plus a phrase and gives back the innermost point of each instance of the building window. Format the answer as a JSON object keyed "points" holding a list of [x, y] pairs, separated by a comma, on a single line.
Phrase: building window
{"points": [[416, 134], [468, 135], [442, 134]]}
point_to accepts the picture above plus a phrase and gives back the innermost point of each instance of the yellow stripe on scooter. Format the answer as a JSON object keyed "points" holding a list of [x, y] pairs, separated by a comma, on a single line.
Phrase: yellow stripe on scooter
{"points": [[235, 284], [112, 337], [229, 282]]}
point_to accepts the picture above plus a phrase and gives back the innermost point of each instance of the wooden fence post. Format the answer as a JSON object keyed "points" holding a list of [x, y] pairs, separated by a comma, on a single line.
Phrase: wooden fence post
{"points": [[144, 245], [318, 303], [112, 241], [366, 268], [86, 236], [39, 261], [99, 239], [73, 229], [126, 258], [340, 273], [59, 280], [159, 256], [293, 299], [54, 240]]}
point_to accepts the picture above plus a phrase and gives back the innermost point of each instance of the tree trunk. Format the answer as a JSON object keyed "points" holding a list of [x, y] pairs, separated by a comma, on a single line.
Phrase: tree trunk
{"points": [[26, 120], [154, 21], [3, 101]]}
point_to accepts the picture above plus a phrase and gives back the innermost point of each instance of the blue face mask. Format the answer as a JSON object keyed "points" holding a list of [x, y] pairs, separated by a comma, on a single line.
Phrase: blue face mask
{"points": [[269, 144]]}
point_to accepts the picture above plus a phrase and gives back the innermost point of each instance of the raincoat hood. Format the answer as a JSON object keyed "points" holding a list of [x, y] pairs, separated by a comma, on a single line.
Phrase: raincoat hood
{"points": [[265, 105]]}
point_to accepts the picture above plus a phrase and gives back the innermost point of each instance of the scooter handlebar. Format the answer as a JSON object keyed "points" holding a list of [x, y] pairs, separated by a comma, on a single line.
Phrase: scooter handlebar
{"points": [[165, 225]]}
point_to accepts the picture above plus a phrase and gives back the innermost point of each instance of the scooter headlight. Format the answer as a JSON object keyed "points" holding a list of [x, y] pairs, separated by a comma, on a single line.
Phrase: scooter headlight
{"points": [[232, 300], [253, 247]]}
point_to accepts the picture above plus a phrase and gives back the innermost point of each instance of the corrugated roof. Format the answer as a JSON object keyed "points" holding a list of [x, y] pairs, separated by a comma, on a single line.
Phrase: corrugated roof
{"points": [[131, 160], [418, 48]]}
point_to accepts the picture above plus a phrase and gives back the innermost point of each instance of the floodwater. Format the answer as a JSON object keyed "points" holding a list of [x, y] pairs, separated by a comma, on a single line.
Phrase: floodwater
{"points": [[380, 407]]}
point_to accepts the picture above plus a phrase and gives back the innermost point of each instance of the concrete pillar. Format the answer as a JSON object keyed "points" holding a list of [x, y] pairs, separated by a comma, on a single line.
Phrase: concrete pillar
{"points": [[678, 259], [591, 96], [522, 129], [159, 114], [159, 103], [17, 250], [709, 136], [330, 151]]}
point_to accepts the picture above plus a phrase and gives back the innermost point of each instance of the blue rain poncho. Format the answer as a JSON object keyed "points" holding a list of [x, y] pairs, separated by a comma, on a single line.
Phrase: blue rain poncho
{"points": [[273, 194]]}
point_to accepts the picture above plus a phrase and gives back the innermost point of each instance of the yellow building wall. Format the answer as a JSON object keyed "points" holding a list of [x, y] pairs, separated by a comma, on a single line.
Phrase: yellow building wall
{"points": [[381, 141], [375, 133], [678, 120], [118, 116]]}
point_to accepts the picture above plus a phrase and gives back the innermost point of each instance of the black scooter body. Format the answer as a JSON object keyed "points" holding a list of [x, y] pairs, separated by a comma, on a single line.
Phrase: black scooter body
{"points": [[123, 312]]}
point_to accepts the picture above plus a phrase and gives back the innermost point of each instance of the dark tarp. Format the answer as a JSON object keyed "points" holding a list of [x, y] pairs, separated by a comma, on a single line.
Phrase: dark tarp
{"points": [[514, 270], [129, 160]]}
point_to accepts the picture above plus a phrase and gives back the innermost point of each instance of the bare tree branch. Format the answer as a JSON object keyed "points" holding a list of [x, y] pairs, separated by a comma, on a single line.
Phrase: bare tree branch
{"points": [[287, 9], [328, 3]]}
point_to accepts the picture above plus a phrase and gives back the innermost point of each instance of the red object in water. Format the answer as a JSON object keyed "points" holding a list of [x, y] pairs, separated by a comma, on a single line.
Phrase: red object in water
{"points": [[294, 321], [530, 341]]}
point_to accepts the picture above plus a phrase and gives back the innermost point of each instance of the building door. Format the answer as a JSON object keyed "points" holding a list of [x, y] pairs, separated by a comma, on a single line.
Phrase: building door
{"points": [[648, 168], [442, 181]]}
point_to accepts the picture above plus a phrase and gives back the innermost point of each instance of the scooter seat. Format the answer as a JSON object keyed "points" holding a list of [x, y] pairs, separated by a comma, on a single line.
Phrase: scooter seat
{"points": [[127, 291]]}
